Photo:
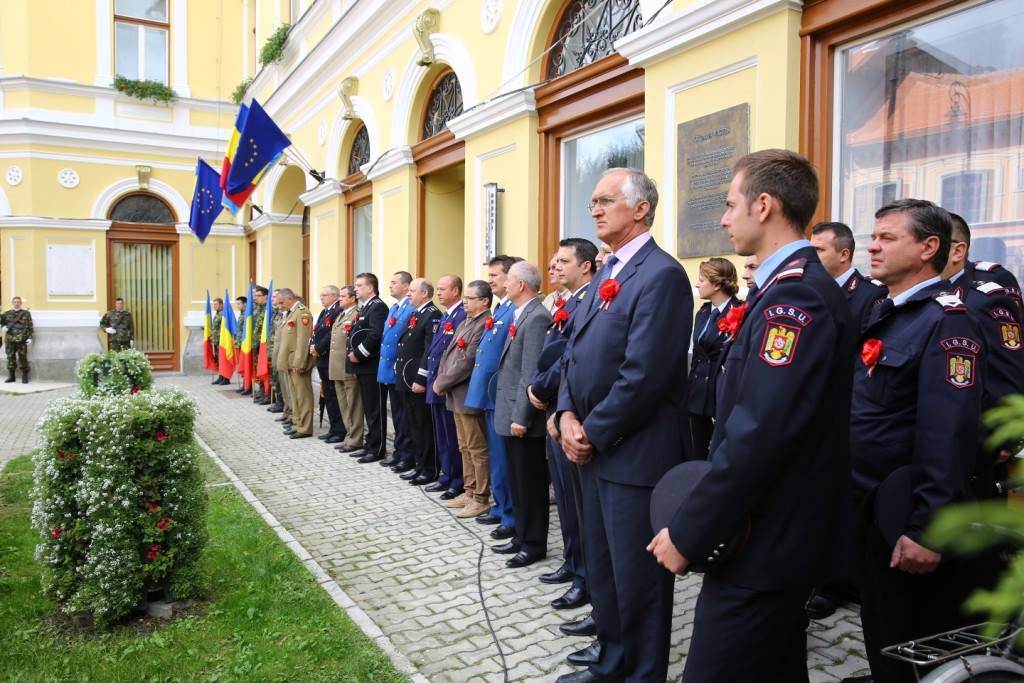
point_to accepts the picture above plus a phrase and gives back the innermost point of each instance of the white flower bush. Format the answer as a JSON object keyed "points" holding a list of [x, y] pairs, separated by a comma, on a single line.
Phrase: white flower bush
{"points": [[114, 373], [119, 498]]}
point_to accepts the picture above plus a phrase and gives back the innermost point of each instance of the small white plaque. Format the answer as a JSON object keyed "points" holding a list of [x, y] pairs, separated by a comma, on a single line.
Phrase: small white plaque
{"points": [[70, 270]]}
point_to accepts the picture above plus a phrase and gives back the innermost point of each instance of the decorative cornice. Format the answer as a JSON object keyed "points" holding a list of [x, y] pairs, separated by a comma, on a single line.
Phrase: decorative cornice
{"points": [[323, 192], [696, 24], [268, 219], [66, 318], [389, 162], [493, 113], [16, 83], [46, 223], [217, 229]]}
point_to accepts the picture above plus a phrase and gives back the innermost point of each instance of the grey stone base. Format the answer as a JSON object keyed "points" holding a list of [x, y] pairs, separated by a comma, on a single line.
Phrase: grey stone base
{"points": [[55, 351], [192, 359]]}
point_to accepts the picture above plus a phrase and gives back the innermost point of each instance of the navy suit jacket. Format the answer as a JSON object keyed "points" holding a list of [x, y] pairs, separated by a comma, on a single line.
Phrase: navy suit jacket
{"points": [[549, 367], [321, 339], [707, 359], [862, 293], [442, 338], [625, 370]]}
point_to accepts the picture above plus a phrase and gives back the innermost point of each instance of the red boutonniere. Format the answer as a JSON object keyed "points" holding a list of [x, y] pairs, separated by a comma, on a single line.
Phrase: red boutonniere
{"points": [[160, 436], [489, 323], [609, 290], [412, 322], [348, 327], [291, 323], [136, 390], [559, 302], [163, 524], [154, 551], [512, 331], [460, 342], [870, 352], [328, 321], [153, 507], [448, 328], [560, 317], [732, 321], [392, 321], [56, 532]]}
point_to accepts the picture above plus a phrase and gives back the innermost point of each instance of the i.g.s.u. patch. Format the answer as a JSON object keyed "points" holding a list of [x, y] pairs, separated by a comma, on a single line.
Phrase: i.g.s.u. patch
{"points": [[782, 333], [961, 360], [1009, 328]]}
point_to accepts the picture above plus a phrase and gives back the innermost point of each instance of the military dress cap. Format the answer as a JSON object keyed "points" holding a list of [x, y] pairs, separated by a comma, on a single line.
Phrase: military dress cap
{"points": [[410, 372], [894, 503], [672, 491]]}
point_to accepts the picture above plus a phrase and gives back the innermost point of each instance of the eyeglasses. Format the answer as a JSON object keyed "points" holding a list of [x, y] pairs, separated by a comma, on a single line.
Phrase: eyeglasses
{"points": [[603, 202]]}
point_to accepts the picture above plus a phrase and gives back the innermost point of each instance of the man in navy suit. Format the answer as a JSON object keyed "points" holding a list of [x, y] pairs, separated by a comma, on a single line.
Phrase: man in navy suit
{"points": [[622, 418], [449, 293], [780, 452], [575, 263], [481, 395], [320, 346]]}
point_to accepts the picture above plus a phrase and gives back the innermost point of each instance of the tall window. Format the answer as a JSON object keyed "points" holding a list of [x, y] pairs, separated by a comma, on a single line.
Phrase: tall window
{"points": [[141, 30], [360, 154], [587, 31], [362, 238], [445, 104], [936, 111], [584, 159]]}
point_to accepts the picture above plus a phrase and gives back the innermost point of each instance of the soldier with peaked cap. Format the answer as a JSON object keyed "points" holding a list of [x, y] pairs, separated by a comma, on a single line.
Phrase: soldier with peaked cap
{"points": [[294, 355]]}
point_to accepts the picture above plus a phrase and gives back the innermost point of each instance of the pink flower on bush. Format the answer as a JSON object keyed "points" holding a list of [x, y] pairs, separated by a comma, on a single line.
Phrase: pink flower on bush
{"points": [[136, 390], [154, 551], [153, 507], [160, 436], [163, 524], [57, 532]]}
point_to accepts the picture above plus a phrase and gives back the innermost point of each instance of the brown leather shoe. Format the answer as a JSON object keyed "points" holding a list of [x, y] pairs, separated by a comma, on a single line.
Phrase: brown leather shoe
{"points": [[472, 509], [459, 501]]}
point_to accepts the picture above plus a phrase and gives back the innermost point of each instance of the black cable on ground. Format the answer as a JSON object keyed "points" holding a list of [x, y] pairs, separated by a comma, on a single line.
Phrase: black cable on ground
{"points": [[479, 580]]}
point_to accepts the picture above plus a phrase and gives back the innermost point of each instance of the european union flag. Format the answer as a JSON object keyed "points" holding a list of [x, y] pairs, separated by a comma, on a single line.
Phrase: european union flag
{"points": [[260, 144], [206, 200]]}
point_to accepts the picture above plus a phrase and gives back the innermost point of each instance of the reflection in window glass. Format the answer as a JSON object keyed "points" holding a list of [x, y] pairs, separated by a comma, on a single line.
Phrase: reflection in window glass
{"points": [[936, 111], [153, 10], [584, 159], [127, 42], [156, 55], [362, 233]]}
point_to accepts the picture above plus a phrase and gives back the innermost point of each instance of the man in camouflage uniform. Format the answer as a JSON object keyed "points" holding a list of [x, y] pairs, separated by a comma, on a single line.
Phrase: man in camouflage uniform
{"points": [[218, 320], [240, 303], [17, 322], [119, 327], [259, 313], [275, 386]]}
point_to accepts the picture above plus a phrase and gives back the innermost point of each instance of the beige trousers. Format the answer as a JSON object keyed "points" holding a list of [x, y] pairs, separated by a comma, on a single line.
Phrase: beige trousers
{"points": [[472, 435], [302, 401], [350, 401]]}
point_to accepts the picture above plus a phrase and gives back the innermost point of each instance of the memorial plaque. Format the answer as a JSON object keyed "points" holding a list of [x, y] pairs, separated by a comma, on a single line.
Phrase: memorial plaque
{"points": [[708, 147]]}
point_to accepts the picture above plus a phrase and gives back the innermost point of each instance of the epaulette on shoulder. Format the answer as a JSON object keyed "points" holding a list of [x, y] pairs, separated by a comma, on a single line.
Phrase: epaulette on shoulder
{"points": [[793, 269], [989, 288], [950, 302], [987, 266], [876, 283]]}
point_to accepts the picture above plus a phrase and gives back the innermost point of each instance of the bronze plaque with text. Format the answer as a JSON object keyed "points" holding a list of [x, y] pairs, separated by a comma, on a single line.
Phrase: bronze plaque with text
{"points": [[707, 149]]}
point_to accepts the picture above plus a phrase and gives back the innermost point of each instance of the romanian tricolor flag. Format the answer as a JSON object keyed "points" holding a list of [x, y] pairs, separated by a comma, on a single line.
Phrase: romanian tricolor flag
{"points": [[234, 202], [208, 362], [228, 328], [263, 360], [245, 349]]}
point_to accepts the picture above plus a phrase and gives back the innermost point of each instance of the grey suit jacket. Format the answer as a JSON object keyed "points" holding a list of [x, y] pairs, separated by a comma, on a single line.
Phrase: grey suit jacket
{"points": [[456, 365], [339, 345], [517, 366]]}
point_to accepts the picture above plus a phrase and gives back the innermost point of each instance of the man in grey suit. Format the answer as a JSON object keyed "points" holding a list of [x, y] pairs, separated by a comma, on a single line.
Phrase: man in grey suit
{"points": [[519, 423]]}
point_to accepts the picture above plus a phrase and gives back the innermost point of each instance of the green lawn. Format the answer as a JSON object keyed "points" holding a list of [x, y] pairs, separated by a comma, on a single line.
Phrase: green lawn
{"points": [[266, 620]]}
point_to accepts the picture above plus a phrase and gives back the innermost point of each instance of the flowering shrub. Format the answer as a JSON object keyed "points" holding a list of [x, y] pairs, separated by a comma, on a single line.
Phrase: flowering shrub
{"points": [[118, 500], [114, 373]]}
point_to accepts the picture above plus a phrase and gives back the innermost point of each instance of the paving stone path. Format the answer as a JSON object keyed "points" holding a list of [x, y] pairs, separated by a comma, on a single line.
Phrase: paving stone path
{"points": [[407, 562]]}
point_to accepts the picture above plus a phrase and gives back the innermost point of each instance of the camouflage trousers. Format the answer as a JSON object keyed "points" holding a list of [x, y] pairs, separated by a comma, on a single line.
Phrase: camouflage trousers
{"points": [[17, 354], [120, 345]]}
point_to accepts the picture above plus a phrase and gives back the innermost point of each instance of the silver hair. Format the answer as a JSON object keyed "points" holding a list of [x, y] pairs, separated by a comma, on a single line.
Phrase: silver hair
{"points": [[286, 293], [528, 273], [333, 289], [638, 187]]}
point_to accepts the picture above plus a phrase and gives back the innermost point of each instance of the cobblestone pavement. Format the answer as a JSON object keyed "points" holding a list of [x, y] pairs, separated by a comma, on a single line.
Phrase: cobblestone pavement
{"points": [[407, 562]]}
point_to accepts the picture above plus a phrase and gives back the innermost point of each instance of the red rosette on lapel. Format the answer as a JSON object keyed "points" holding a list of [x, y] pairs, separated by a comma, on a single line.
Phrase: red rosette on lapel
{"points": [[559, 319], [412, 322], [870, 352], [512, 331], [392, 321], [609, 290], [460, 342], [448, 328], [489, 323], [733, 321], [559, 302]]}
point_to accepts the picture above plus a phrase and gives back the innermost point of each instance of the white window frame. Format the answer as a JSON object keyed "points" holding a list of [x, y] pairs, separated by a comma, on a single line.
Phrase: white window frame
{"points": [[140, 25]]}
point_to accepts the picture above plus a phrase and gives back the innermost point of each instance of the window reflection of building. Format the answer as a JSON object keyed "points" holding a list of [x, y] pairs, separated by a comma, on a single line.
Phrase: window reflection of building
{"points": [[936, 111]]}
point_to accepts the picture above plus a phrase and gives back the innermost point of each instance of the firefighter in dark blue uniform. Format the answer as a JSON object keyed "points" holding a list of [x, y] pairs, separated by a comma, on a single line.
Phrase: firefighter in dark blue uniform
{"points": [[364, 360], [917, 400], [779, 451], [835, 246]]}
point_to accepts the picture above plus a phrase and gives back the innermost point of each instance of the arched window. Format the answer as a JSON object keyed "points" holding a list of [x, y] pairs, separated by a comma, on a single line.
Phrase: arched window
{"points": [[141, 208], [360, 154], [587, 31], [445, 104]]}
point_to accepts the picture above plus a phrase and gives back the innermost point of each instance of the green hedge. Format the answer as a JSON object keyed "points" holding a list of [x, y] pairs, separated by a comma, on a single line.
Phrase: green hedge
{"points": [[119, 500], [114, 373]]}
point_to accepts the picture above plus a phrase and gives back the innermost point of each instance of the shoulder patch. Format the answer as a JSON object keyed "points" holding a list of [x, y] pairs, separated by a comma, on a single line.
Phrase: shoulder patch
{"points": [[876, 283], [987, 266], [793, 269], [949, 301], [852, 284], [989, 288], [961, 359], [778, 346], [792, 314]]}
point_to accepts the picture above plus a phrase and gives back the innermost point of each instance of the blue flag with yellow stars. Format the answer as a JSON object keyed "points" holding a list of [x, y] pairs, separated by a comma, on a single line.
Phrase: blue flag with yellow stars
{"points": [[260, 144], [206, 204]]}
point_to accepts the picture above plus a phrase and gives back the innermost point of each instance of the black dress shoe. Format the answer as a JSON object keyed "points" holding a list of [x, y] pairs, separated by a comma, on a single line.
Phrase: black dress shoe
{"points": [[576, 596], [488, 520], [288, 432], [501, 532], [421, 480], [370, 457], [585, 677], [409, 475], [389, 462], [276, 408], [508, 548], [523, 558], [561, 575], [324, 437], [246, 392], [403, 467], [283, 418], [819, 606], [435, 487], [583, 627], [299, 435], [451, 493], [334, 438], [587, 656]]}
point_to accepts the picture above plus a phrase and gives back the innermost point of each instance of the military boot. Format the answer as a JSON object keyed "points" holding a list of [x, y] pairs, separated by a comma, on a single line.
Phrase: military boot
{"points": [[10, 377], [24, 376]]}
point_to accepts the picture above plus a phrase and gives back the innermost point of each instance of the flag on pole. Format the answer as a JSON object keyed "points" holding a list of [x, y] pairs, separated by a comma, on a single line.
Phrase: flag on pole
{"points": [[208, 361], [228, 329], [260, 144], [263, 359], [206, 200], [234, 202], [245, 348]]}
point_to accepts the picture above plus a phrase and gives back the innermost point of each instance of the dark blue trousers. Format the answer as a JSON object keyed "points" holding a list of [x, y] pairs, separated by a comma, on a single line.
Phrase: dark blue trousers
{"points": [[630, 592], [498, 465], [447, 447], [561, 472], [405, 447]]}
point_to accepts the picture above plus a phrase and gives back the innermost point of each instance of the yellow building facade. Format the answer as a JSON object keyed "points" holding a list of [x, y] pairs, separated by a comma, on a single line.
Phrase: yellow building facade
{"points": [[446, 131]]}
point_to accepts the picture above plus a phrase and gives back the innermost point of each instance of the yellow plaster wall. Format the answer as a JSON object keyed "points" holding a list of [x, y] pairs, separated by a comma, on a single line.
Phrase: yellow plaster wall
{"points": [[282, 255], [24, 254], [214, 49], [78, 104], [60, 37], [14, 36], [326, 247]]}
